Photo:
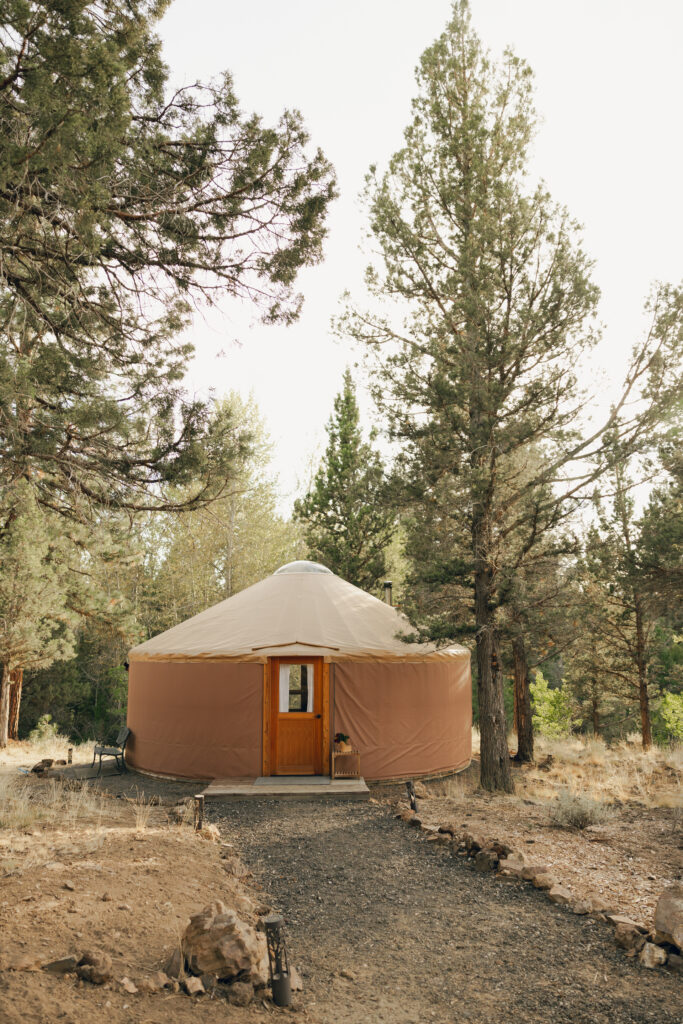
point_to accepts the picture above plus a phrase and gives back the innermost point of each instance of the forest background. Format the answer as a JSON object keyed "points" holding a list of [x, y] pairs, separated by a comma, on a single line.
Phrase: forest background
{"points": [[505, 518]]}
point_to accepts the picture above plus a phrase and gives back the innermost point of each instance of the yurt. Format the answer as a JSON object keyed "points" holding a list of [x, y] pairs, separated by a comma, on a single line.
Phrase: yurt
{"points": [[259, 685]]}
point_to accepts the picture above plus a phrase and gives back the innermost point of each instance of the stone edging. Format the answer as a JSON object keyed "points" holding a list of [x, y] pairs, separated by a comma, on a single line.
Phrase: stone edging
{"points": [[654, 947]]}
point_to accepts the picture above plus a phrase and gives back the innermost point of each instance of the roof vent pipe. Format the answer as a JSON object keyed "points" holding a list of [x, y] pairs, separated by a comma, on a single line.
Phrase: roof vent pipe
{"points": [[387, 592]]}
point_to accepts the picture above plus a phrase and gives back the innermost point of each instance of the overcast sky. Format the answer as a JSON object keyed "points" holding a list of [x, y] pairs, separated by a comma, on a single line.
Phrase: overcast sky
{"points": [[609, 86]]}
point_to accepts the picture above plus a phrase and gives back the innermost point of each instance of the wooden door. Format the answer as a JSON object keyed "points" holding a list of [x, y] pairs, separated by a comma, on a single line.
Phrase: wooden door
{"points": [[296, 731]]}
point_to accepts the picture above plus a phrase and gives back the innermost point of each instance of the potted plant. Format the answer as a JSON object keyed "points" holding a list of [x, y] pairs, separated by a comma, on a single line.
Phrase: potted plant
{"points": [[342, 742]]}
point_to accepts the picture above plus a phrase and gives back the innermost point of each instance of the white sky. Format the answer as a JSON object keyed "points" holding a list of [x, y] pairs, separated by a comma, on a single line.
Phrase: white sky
{"points": [[609, 82]]}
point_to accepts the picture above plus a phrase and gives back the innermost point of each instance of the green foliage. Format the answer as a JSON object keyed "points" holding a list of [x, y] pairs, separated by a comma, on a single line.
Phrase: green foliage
{"points": [[552, 709], [44, 729], [669, 717], [347, 524]]}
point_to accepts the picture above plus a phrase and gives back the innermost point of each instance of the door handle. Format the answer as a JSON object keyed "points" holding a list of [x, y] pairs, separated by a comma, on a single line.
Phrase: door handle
{"points": [[318, 716]]}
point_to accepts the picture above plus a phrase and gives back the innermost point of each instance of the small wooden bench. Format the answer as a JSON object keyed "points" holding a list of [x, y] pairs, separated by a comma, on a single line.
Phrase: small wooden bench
{"points": [[117, 751]]}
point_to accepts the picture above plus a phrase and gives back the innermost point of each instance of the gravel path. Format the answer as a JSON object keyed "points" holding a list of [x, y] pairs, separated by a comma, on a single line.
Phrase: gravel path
{"points": [[423, 936]]}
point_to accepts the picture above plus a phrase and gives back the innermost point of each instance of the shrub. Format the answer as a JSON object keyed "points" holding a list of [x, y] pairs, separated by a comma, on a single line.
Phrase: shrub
{"points": [[577, 810], [552, 708], [671, 715], [45, 730]]}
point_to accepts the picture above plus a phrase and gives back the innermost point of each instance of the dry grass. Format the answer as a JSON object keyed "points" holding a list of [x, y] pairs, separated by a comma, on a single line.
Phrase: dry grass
{"points": [[142, 810], [26, 802], [607, 774], [577, 810]]}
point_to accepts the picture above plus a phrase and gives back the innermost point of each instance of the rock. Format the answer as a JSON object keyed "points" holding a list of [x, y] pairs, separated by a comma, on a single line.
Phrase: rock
{"points": [[210, 832], [106, 898], [193, 986], [598, 906], [161, 980], [473, 843], [442, 838], [627, 936], [295, 980], [559, 895], [349, 975], [65, 965], [124, 906], [513, 865], [530, 870], [240, 993], [421, 791], [544, 881], [209, 981], [675, 963], [405, 815], [43, 765], [581, 907], [175, 964], [652, 956], [617, 919], [95, 967], [25, 963], [217, 941], [486, 860], [70, 886], [128, 986], [450, 828], [500, 849], [415, 821], [669, 916]]}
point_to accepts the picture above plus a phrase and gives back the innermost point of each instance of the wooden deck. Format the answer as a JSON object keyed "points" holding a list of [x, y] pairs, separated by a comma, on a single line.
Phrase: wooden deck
{"points": [[291, 787]]}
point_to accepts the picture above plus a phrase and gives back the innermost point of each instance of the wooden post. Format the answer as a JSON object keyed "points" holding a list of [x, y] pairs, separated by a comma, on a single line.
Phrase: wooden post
{"points": [[410, 786], [70, 755], [198, 812]]}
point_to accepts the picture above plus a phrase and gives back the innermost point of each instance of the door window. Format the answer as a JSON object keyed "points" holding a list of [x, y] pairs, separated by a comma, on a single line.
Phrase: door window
{"points": [[296, 688]]}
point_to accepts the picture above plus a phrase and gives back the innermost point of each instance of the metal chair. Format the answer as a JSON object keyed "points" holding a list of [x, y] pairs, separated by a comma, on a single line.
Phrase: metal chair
{"points": [[117, 751]]}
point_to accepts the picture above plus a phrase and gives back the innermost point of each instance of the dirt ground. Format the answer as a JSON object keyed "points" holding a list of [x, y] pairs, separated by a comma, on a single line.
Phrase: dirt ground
{"points": [[382, 926], [627, 861]]}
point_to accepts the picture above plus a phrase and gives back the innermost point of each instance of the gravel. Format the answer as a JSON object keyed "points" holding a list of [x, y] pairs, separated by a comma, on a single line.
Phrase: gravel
{"points": [[385, 926]]}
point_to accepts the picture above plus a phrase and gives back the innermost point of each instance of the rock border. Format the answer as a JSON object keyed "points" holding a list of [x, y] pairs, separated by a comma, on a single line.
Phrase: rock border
{"points": [[653, 947]]}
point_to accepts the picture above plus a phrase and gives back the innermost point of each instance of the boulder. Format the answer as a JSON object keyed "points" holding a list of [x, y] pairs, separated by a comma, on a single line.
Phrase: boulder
{"points": [[500, 849], [512, 865], [174, 965], [559, 895], [217, 941], [652, 956], [450, 828], [128, 986], [675, 963], [95, 967], [580, 907], [486, 860], [193, 986], [543, 880], [530, 870], [669, 916], [240, 993], [65, 965], [617, 919], [627, 936], [473, 843]]}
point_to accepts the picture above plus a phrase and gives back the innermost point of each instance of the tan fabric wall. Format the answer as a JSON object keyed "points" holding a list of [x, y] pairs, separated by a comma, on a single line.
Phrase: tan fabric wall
{"points": [[197, 720], [406, 720]]}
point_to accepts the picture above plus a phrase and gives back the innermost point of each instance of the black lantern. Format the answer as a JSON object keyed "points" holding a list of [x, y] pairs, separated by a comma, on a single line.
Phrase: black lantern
{"points": [[278, 963]]}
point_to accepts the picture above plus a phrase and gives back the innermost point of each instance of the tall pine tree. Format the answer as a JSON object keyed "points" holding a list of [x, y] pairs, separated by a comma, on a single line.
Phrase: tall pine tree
{"points": [[347, 524]]}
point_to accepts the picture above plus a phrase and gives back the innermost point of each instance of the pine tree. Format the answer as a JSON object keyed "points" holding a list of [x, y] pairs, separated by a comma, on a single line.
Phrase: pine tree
{"points": [[347, 525], [36, 627], [477, 357]]}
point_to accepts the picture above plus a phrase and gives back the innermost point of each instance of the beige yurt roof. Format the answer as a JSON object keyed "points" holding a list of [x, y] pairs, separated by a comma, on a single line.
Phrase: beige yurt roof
{"points": [[302, 609]]}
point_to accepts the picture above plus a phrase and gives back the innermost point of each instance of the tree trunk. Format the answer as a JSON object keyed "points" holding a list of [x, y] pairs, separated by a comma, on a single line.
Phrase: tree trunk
{"points": [[495, 757], [643, 696], [525, 732], [595, 715], [17, 683], [4, 705]]}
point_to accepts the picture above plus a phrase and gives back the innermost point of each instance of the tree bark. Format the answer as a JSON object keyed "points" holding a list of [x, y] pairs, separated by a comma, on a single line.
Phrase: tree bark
{"points": [[4, 705], [16, 686], [595, 715], [495, 757], [643, 695], [525, 732]]}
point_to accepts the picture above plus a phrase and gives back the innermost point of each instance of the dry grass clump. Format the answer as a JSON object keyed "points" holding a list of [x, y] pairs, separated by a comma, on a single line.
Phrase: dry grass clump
{"points": [[452, 787], [572, 809], [25, 802], [142, 810]]}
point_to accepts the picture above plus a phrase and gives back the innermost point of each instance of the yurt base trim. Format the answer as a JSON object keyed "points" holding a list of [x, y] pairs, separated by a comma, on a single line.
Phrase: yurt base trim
{"points": [[438, 776], [203, 780]]}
